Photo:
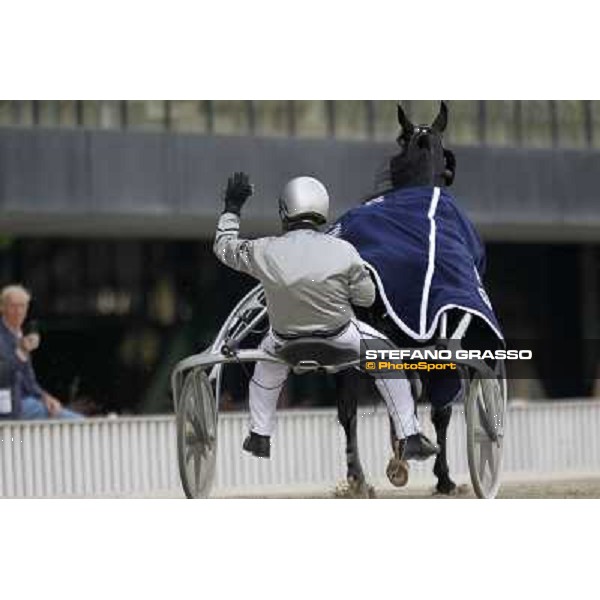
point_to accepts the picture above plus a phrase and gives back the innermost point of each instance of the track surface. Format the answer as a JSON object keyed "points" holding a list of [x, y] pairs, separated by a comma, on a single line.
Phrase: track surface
{"points": [[586, 488], [580, 488], [568, 488]]}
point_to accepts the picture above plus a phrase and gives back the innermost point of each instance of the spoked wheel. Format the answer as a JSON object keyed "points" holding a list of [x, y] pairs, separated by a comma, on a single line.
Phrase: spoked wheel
{"points": [[486, 415], [197, 435]]}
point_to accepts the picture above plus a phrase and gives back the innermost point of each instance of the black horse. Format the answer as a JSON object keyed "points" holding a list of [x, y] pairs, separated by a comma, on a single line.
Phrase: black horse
{"points": [[421, 161]]}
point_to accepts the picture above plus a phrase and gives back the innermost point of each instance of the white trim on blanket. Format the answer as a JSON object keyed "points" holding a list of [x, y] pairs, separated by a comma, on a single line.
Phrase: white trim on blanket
{"points": [[431, 259], [429, 333]]}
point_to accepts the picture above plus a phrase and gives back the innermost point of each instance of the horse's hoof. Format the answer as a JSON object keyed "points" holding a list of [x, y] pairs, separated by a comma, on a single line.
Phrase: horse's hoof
{"points": [[359, 488], [459, 491], [397, 471], [354, 488], [463, 490], [446, 487]]}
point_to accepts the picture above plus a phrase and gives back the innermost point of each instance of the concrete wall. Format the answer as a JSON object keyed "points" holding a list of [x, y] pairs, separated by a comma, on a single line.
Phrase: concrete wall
{"points": [[76, 183]]}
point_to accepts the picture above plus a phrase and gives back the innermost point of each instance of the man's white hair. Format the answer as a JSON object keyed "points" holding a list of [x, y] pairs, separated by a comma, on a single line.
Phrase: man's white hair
{"points": [[13, 290]]}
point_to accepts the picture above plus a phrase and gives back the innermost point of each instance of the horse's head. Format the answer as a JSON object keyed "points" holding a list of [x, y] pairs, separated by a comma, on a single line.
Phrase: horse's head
{"points": [[422, 159]]}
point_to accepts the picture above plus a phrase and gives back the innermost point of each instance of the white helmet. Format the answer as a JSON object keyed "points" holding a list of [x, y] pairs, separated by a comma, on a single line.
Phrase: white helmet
{"points": [[304, 198]]}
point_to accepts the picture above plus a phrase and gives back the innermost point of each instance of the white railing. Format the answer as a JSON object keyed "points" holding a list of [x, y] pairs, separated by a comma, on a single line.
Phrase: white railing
{"points": [[135, 456]]}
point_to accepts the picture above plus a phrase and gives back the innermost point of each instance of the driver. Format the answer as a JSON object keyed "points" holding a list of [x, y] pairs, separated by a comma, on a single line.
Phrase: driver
{"points": [[310, 281]]}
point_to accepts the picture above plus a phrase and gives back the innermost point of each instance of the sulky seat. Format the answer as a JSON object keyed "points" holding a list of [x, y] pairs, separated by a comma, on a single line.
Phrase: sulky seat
{"points": [[306, 355]]}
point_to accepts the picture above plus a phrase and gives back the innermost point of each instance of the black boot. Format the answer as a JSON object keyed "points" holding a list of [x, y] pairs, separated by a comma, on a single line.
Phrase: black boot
{"points": [[419, 447], [258, 445]]}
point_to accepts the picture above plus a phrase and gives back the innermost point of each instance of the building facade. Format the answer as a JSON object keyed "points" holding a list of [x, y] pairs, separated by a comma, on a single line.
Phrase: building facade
{"points": [[107, 211]]}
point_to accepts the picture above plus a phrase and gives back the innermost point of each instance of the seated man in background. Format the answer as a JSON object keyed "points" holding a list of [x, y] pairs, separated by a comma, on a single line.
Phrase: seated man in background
{"points": [[30, 401]]}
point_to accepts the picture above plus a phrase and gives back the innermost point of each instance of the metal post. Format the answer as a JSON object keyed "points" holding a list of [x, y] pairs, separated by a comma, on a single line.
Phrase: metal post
{"points": [[482, 122], [518, 122], [330, 116], [553, 123], [251, 116], [123, 114], [291, 118], [36, 112], [588, 123], [210, 116], [167, 115], [370, 118], [79, 113]]}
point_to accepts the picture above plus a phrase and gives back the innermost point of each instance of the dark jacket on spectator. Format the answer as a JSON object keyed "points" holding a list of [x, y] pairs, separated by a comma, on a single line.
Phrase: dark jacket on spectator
{"points": [[23, 376]]}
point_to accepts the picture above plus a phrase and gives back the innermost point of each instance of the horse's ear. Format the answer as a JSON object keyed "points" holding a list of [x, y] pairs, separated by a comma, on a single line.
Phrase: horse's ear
{"points": [[441, 121], [407, 126]]}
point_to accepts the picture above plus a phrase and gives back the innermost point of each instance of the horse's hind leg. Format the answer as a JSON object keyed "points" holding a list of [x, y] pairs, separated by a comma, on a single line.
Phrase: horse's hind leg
{"points": [[397, 470], [348, 420], [440, 417], [348, 385]]}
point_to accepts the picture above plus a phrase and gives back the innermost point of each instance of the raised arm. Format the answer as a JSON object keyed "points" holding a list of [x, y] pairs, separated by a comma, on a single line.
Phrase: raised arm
{"points": [[228, 247]]}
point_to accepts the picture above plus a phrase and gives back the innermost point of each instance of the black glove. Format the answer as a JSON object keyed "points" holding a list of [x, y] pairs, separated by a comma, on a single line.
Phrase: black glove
{"points": [[239, 189]]}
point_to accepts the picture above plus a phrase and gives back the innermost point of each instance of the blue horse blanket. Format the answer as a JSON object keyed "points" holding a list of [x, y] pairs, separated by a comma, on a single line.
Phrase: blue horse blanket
{"points": [[425, 255]]}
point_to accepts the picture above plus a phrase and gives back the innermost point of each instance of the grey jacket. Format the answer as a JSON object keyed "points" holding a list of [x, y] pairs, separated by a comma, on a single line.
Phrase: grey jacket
{"points": [[310, 278]]}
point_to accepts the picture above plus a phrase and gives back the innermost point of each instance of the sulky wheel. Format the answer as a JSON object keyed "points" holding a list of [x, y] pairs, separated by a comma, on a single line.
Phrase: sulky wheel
{"points": [[486, 417], [197, 435]]}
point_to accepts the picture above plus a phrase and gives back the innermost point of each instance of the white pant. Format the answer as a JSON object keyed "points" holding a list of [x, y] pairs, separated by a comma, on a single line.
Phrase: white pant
{"points": [[268, 379]]}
